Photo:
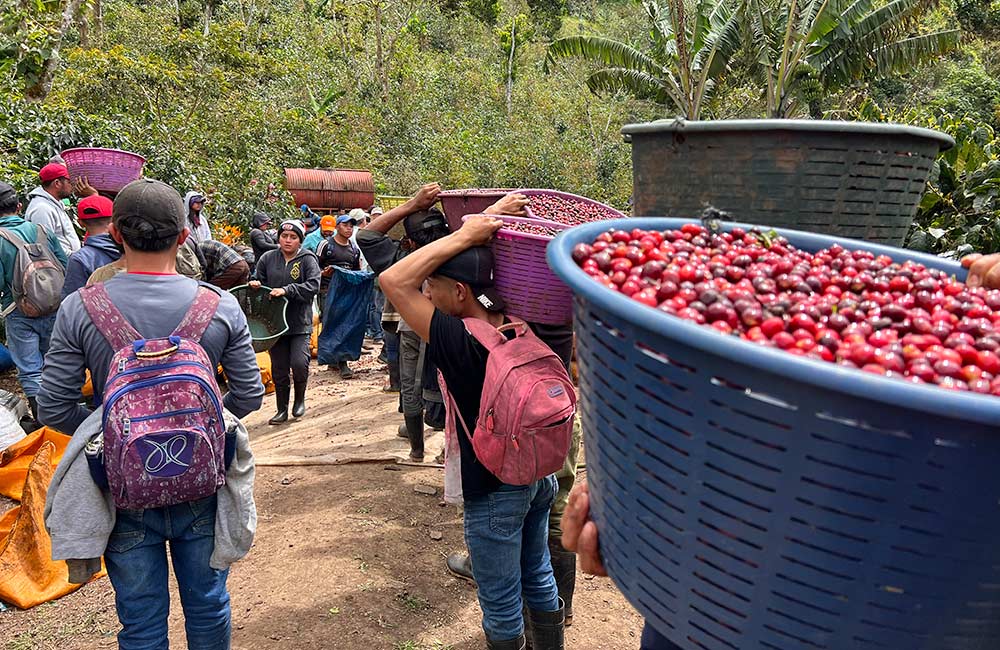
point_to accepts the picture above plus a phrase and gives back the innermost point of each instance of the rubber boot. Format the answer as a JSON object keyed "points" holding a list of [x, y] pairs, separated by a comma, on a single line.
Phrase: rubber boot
{"points": [[509, 644], [345, 370], [299, 406], [281, 397], [460, 566], [546, 628], [393, 386], [564, 570], [29, 423], [415, 431]]}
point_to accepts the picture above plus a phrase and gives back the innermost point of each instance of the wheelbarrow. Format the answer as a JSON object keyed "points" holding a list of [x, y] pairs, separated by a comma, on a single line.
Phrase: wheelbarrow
{"points": [[265, 315]]}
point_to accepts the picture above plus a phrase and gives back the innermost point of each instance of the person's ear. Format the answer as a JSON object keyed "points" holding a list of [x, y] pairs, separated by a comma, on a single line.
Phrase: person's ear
{"points": [[181, 238], [115, 235]]}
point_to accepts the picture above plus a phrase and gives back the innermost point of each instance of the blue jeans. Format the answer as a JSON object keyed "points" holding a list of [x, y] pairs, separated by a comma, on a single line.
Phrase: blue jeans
{"points": [[28, 340], [375, 307], [392, 346], [136, 559], [507, 535]]}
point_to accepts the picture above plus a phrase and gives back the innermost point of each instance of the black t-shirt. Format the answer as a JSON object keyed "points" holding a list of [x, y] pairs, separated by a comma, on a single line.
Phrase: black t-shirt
{"points": [[332, 253], [462, 361]]}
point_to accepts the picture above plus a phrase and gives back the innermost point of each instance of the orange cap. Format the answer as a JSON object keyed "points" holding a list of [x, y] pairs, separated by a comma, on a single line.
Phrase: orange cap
{"points": [[328, 222]]}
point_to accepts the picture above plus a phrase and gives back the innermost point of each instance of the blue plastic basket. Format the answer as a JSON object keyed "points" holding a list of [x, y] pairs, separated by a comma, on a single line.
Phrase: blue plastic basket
{"points": [[749, 499]]}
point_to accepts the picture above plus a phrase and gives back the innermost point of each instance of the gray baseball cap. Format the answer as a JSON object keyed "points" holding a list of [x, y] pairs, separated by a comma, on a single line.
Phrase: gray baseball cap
{"points": [[157, 204]]}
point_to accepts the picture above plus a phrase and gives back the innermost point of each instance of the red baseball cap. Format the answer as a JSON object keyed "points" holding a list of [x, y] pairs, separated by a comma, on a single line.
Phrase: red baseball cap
{"points": [[94, 207], [53, 171]]}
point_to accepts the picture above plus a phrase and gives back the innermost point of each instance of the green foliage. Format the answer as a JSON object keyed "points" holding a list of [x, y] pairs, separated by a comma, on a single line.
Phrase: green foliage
{"points": [[960, 212], [676, 71], [486, 11], [843, 40], [968, 90], [981, 16]]}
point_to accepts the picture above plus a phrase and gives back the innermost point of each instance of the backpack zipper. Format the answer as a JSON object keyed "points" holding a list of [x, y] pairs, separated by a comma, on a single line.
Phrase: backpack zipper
{"points": [[145, 383], [168, 414]]}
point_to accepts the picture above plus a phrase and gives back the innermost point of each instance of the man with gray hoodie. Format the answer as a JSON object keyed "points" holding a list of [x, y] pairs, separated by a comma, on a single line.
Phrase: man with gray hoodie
{"points": [[46, 208]]}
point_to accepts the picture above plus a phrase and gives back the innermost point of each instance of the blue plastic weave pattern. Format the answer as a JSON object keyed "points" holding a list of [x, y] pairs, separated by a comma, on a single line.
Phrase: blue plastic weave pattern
{"points": [[752, 500]]}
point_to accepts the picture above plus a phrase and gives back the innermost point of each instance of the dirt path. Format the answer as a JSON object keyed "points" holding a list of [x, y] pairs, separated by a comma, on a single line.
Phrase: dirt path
{"points": [[345, 555]]}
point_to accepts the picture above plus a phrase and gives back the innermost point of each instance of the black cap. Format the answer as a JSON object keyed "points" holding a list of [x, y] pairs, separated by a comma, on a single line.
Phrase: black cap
{"points": [[420, 226], [155, 203], [6, 192], [474, 267]]}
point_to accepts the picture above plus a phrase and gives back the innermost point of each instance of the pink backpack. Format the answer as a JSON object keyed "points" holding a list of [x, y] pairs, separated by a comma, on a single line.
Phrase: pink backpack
{"points": [[526, 412], [164, 435]]}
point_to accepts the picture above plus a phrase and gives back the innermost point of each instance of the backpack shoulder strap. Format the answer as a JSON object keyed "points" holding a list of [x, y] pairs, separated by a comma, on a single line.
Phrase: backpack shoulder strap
{"points": [[197, 318], [490, 337], [16, 241], [110, 322]]}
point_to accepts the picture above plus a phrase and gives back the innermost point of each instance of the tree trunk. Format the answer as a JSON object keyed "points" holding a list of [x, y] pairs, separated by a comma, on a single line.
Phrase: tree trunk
{"points": [[383, 78], [38, 91], [208, 18], [510, 64], [82, 26], [98, 14]]}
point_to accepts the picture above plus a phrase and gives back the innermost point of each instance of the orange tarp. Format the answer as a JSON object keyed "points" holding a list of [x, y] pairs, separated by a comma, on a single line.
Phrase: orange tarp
{"points": [[28, 576]]}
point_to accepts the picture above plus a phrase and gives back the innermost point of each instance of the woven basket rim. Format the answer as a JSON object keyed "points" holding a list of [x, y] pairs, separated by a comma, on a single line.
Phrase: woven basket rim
{"points": [[115, 151], [680, 125]]}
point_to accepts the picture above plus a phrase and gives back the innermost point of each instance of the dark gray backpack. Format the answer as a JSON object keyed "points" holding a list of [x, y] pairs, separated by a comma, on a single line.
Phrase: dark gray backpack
{"points": [[38, 275]]}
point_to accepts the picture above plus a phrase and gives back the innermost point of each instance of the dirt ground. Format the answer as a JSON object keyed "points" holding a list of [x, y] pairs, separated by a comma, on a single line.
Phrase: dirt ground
{"points": [[348, 555]]}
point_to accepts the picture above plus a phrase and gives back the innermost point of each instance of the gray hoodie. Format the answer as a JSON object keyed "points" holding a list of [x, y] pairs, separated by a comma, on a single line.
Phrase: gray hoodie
{"points": [[49, 212], [80, 516]]}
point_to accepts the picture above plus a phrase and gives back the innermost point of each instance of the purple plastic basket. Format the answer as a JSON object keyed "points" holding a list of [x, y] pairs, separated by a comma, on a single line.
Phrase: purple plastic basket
{"points": [[610, 212], [107, 170], [523, 277], [458, 203]]}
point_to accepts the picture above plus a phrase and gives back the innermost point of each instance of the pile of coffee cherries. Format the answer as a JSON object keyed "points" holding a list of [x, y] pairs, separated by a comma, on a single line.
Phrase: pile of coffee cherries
{"points": [[843, 306], [567, 210], [530, 228]]}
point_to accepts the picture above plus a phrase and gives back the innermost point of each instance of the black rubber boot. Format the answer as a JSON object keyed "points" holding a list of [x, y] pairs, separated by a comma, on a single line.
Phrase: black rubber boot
{"points": [[546, 629], [564, 570], [393, 378], [281, 397], [29, 423], [415, 431], [510, 644], [345, 370], [299, 406]]}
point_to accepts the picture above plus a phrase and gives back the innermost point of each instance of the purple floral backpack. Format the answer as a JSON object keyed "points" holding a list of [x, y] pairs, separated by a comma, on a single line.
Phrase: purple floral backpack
{"points": [[164, 435]]}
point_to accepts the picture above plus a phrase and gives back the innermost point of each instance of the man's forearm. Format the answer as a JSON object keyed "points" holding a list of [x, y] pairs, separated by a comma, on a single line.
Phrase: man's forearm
{"points": [[385, 222], [411, 271]]}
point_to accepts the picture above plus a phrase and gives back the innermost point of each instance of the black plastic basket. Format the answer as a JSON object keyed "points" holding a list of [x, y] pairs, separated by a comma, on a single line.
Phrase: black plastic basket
{"points": [[265, 315]]}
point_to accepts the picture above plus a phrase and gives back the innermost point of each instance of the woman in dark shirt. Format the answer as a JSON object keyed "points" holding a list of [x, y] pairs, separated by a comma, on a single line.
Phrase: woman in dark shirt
{"points": [[293, 272]]}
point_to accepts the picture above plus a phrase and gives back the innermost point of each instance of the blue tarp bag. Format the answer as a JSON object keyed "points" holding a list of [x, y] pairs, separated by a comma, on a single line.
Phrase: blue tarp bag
{"points": [[345, 316], [6, 361]]}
